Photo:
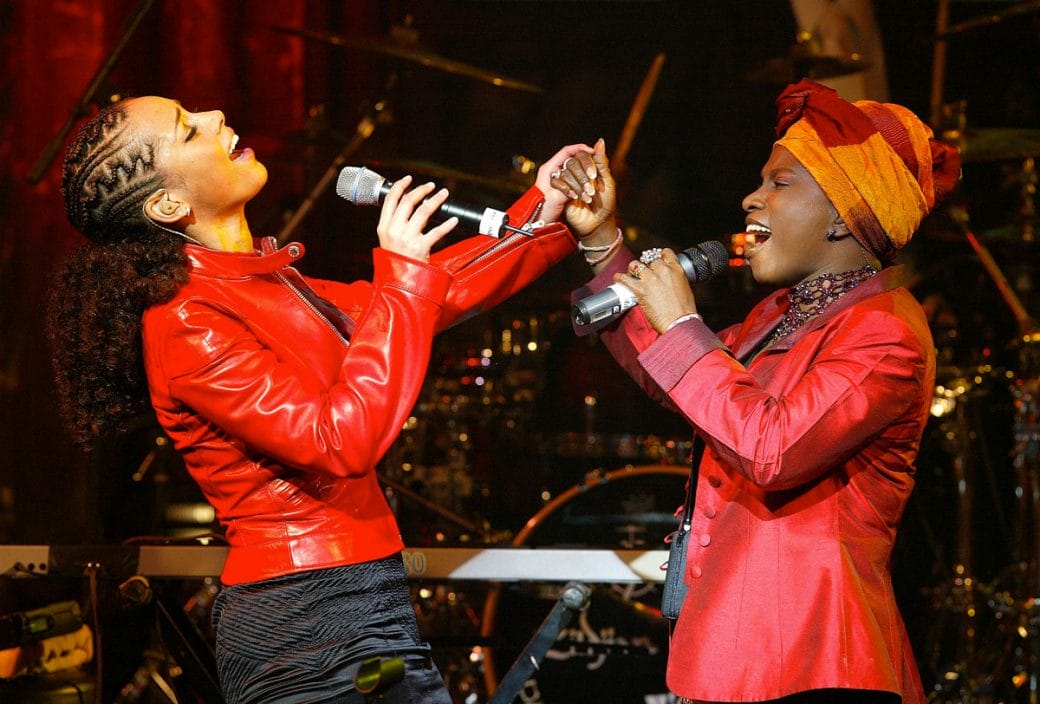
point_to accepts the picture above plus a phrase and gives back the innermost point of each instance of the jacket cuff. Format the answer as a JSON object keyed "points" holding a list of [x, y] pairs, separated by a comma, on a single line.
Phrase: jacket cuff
{"points": [[526, 207], [670, 356], [411, 275]]}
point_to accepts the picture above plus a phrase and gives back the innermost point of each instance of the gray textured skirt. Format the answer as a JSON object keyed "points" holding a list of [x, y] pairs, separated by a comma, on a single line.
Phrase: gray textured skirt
{"points": [[302, 637]]}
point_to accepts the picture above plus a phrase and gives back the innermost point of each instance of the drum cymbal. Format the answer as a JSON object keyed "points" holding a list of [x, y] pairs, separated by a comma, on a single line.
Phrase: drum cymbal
{"points": [[789, 69], [998, 144], [991, 18], [409, 51]]}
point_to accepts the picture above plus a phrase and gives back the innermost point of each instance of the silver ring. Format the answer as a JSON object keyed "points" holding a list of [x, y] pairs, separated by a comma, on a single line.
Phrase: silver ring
{"points": [[555, 174], [650, 256], [567, 161]]}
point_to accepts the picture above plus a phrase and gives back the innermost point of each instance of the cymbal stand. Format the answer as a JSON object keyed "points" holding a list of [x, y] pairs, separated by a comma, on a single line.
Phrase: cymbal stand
{"points": [[378, 113], [433, 506], [89, 94], [1026, 324], [958, 596], [942, 21]]}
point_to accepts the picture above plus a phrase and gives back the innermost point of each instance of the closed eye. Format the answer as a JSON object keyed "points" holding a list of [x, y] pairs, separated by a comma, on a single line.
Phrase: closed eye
{"points": [[192, 131]]}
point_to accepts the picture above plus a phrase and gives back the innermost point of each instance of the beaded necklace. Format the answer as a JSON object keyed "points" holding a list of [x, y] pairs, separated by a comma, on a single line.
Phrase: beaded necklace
{"points": [[810, 298]]}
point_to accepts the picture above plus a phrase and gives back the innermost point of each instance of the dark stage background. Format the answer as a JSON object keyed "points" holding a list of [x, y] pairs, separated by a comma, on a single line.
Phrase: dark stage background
{"points": [[549, 408]]}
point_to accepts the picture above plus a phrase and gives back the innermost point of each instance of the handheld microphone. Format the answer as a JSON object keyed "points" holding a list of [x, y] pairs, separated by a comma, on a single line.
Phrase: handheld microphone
{"points": [[362, 186], [700, 263]]}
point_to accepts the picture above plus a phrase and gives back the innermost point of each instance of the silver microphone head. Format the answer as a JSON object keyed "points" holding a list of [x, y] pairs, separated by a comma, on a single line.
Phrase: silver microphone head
{"points": [[359, 185]]}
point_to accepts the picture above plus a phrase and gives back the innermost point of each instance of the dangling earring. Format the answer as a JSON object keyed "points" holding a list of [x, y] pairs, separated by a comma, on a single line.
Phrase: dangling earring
{"points": [[832, 235]]}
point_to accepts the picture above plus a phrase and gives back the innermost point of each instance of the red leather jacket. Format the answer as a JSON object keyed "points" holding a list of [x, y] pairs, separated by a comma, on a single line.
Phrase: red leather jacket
{"points": [[279, 419], [808, 466]]}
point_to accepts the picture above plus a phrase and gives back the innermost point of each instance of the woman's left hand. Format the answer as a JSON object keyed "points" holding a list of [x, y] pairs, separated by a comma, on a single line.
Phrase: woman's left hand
{"points": [[405, 215], [662, 289], [554, 199]]}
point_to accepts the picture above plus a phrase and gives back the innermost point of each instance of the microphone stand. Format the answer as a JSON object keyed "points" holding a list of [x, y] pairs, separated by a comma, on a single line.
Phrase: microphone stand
{"points": [[575, 598], [376, 113], [80, 109]]}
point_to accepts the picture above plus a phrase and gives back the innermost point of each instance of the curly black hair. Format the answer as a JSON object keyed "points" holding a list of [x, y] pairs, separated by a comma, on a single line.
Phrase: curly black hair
{"points": [[98, 297]]}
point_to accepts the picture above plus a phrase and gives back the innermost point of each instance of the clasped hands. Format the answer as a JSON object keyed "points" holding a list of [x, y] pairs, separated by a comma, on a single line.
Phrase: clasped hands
{"points": [[582, 176]]}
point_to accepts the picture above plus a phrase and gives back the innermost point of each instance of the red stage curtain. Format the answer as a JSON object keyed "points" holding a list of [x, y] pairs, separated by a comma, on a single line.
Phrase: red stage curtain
{"points": [[205, 53]]}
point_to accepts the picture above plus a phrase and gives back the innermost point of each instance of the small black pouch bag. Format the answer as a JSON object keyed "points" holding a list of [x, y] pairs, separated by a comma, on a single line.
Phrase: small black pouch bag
{"points": [[674, 592]]}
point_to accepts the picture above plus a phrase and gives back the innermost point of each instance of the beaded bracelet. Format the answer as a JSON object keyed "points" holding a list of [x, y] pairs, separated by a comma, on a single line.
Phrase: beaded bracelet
{"points": [[683, 319], [606, 249]]}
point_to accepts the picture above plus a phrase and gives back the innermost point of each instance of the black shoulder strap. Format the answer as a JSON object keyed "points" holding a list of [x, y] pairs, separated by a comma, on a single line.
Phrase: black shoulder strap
{"points": [[691, 490]]}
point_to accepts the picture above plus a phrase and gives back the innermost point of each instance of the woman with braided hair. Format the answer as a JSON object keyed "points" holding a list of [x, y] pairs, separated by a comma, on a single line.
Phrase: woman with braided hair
{"points": [[280, 391], [811, 410]]}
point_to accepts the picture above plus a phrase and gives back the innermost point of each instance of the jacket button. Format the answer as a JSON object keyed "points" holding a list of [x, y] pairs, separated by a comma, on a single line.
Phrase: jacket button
{"points": [[695, 571], [710, 512], [294, 251], [704, 540], [714, 481]]}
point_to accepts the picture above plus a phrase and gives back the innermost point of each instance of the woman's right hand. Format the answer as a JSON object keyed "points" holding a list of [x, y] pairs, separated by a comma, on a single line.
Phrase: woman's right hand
{"points": [[404, 216], [586, 180]]}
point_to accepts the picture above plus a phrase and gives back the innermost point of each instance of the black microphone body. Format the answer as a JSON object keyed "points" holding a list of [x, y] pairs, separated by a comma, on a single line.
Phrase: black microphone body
{"points": [[362, 186], [700, 263]]}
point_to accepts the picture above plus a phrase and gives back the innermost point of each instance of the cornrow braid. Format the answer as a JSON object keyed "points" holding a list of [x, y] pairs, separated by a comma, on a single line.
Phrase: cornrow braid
{"points": [[107, 176], [98, 297]]}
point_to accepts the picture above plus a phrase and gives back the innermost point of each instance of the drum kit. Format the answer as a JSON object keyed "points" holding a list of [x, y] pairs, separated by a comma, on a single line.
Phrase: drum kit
{"points": [[979, 463]]}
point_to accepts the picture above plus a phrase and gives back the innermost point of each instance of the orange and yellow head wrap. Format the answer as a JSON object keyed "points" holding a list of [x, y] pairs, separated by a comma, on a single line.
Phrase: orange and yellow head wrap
{"points": [[877, 162]]}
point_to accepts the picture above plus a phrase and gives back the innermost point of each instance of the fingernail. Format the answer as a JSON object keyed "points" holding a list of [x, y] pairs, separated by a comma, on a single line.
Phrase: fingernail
{"points": [[590, 189]]}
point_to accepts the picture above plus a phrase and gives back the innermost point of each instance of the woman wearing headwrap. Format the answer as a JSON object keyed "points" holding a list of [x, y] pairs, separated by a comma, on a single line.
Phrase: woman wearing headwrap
{"points": [[812, 408]]}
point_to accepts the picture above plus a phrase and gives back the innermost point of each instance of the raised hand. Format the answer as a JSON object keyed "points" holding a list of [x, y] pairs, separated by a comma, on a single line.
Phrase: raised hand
{"points": [[555, 200], [586, 181], [404, 216]]}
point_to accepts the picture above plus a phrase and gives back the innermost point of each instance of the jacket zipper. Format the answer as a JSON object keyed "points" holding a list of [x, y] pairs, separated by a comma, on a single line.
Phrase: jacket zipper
{"points": [[489, 251], [303, 299]]}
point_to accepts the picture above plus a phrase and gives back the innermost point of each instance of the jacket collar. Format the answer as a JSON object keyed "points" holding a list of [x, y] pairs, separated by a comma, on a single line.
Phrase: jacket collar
{"points": [[266, 257], [767, 314]]}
